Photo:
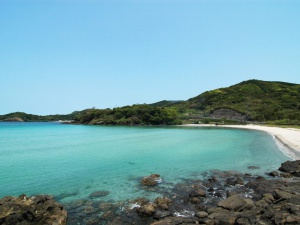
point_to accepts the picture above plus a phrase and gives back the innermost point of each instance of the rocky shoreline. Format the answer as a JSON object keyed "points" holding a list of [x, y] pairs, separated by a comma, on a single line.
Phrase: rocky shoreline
{"points": [[221, 198]]}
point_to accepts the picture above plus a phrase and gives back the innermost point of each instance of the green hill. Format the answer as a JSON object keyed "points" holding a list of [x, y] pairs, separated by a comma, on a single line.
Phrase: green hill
{"points": [[165, 103], [252, 100], [130, 115], [21, 116]]}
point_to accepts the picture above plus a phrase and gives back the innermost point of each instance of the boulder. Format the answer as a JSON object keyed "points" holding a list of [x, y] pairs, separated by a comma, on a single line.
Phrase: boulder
{"points": [[292, 167], [151, 180], [197, 193], [234, 203], [146, 210], [41, 209], [201, 214], [274, 174], [232, 181], [163, 203], [161, 214]]}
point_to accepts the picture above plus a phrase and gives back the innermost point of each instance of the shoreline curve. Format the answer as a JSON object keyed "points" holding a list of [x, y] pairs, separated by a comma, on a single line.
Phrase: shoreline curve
{"points": [[289, 137]]}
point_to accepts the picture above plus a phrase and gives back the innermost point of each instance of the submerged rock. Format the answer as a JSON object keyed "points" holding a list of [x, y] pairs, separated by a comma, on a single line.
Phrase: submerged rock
{"points": [[98, 194], [23, 210], [151, 180], [253, 167]]}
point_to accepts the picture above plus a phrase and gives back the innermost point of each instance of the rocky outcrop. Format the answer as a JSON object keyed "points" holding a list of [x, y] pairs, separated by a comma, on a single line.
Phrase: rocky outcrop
{"points": [[23, 210], [228, 114], [221, 198], [291, 167], [151, 180], [14, 119], [259, 201], [98, 194]]}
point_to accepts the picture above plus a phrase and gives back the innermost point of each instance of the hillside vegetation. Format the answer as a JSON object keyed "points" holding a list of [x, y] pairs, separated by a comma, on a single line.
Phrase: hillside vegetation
{"points": [[130, 115], [258, 100], [21, 116], [252, 100]]}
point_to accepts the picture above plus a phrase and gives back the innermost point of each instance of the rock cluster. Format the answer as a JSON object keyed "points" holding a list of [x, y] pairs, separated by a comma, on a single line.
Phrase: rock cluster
{"points": [[39, 210], [272, 201], [221, 198], [291, 167], [151, 180]]}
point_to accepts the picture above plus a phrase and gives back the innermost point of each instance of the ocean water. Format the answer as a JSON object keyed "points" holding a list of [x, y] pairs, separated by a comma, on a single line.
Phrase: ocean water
{"points": [[72, 161]]}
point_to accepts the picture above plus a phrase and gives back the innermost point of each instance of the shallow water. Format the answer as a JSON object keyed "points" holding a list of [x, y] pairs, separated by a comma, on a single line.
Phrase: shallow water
{"points": [[72, 161]]}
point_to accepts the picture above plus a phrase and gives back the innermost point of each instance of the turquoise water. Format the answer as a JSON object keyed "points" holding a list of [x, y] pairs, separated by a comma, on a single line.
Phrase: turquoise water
{"points": [[72, 161]]}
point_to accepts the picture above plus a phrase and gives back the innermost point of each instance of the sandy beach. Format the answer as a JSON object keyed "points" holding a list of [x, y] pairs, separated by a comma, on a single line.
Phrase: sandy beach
{"points": [[289, 137]]}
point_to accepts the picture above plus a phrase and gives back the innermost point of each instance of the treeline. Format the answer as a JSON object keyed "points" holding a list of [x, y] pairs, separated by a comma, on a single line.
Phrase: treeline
{"points": [[129, 115], [36, 118], [260, 100]]}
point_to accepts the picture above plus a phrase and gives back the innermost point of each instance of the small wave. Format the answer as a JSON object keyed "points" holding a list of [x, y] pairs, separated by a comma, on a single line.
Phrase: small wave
{"points": [[135, 205], [285, 150], [159, 180], [184, 213]]}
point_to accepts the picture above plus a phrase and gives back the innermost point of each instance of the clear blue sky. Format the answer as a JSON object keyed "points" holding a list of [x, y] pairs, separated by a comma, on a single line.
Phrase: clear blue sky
{"points": [[57, 56]]}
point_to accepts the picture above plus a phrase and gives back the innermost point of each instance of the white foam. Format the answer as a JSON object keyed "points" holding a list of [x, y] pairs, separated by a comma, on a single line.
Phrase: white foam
{"points": [[184, 213], [159, 180], [134, 205]]}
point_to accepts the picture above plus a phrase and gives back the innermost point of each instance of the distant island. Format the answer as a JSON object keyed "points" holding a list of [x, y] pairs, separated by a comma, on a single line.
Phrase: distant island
{"points": [[249, 101]]}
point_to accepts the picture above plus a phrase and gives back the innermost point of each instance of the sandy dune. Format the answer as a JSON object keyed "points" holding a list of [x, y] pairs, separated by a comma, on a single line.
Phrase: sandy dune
{"points": [[290, 137]]}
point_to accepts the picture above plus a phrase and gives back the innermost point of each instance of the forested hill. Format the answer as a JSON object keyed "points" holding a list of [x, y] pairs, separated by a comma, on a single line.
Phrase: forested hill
{"points": [[257, 100], [21, 116], [251, 100], [130, 115]]}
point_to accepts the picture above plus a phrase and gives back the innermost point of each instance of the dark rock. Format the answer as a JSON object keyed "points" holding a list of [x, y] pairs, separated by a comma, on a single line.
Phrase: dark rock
{"points": [[176, 221], [201, 214], [283, 195], [274, 174], [195, 200], [140, 201], [292, 167], [234, 203], [42, 209], [268, 198], [261, 203], [253, 167], [161, 214], [262, 186], [197, 193], [230, 193], [211, 189], [286, 175], [218, 194], [232, 181], [151, 180], [163, 203], [98, 194], [239, 181], [225, 219], [146, 210], [213, 179]]}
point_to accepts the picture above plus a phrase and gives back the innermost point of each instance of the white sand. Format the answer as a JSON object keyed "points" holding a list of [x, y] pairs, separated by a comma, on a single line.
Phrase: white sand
{"points": [[290, 137]]}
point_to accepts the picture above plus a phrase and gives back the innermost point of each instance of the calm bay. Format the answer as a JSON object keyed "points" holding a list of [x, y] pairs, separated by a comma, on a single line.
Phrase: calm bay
{"points": [[72, 161]]}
